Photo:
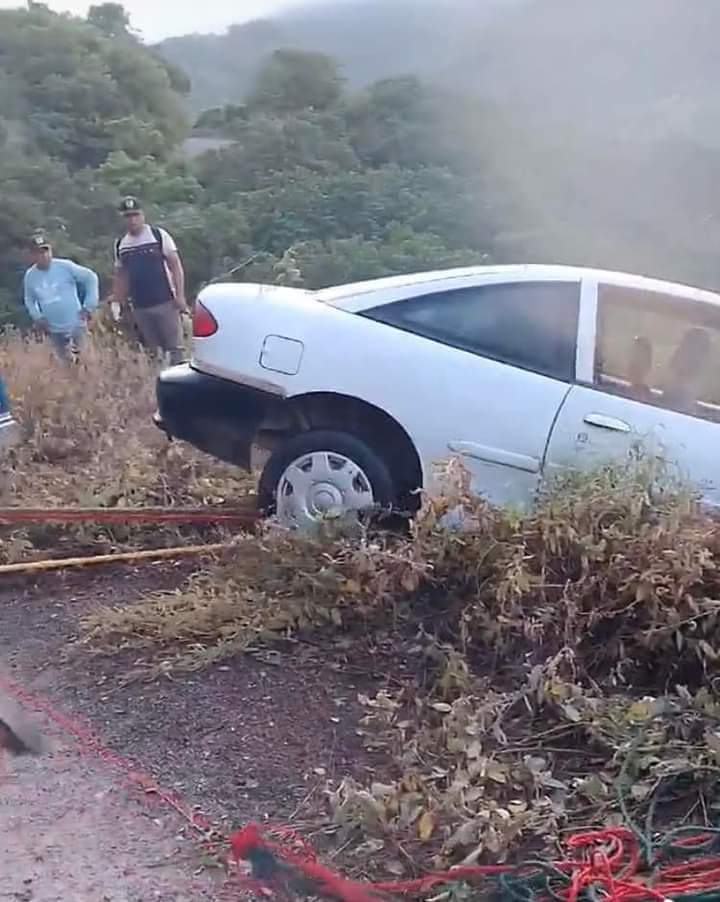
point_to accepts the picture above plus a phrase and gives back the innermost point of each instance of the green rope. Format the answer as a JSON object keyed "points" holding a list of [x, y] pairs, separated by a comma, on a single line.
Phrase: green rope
{"points": [[539, 883], [543, 881], [670, 847], [622, 786]]}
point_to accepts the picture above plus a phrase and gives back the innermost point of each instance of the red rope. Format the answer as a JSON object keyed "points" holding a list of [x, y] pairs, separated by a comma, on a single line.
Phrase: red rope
{"points": [[606, 860], [207, 516]]}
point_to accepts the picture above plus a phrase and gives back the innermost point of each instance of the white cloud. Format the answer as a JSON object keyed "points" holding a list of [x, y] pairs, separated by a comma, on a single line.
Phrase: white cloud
{"points": [[157, 19]]}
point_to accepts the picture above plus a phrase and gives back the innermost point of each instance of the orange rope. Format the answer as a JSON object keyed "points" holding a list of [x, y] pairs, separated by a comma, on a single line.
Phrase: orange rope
{"points": [[118, 558]]}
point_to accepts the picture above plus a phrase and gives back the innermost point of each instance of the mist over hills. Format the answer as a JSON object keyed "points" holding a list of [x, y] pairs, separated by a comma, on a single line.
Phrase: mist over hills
{"points": [[611, 111]]}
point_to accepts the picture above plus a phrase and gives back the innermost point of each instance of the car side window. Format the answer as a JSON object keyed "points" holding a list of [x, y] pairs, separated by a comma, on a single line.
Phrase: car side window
{"points": [[532, 325], [659, 349]]}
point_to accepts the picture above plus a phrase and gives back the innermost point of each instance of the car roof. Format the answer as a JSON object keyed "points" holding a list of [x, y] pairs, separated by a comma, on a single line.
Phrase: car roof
{"points": [[359, 296]]}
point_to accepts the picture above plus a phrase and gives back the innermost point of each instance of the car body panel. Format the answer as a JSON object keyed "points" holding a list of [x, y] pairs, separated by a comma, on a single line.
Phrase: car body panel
{"points": [[359, 296], [595, 427], [454, 398], [509, 425], [213, 414]]}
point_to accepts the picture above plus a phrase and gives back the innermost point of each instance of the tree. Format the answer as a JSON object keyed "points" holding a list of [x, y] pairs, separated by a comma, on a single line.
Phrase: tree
{"points": [[156, 183], [222, 119], [317, 264], [267, 146], [110, 18], [314, 187], [212, 239], [85, 113], [293, 80], [83, 94]]}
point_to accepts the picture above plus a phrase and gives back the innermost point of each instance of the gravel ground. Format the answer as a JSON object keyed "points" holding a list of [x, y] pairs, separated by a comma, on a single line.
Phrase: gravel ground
{"points": [[71, 832], [254, 739]]}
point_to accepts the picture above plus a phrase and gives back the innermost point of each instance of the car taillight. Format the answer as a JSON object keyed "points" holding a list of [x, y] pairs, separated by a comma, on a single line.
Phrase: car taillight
{"points": [[204, 323]]}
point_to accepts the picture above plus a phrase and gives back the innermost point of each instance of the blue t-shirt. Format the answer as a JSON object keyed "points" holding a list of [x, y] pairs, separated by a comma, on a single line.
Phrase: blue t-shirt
{"points": [[59, 293]]}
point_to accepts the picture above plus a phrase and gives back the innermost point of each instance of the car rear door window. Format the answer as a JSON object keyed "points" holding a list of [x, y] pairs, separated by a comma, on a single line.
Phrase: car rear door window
{"points": [[532, 325], [659, 349]]}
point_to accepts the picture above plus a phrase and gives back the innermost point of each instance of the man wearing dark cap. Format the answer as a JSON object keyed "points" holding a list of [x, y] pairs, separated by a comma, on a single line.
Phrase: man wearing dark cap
{"points": [[149, 272], [60, 296]]}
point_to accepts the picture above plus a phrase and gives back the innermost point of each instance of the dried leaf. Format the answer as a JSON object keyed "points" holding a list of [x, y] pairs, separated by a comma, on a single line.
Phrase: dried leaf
{"points": [[572, 713], [426, 826], [394, 867], [496, 772]]}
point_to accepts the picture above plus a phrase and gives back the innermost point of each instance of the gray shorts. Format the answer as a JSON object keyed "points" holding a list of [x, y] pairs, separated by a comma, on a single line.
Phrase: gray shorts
{"points": [[161, 330]]}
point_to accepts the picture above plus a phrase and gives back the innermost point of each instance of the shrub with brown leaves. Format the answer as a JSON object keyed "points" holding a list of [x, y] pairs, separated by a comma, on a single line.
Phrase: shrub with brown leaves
{"points": [[548, 643], [614, 565]]}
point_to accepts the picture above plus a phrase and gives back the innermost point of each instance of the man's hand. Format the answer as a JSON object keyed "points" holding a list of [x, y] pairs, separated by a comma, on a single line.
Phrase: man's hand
{"points": [[181, 304], [86, 315], [42, 325]]}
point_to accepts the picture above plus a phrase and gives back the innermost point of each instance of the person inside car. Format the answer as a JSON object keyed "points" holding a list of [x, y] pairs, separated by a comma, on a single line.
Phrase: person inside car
{"points": [[685, 372], [60, 297], [639, 369]]}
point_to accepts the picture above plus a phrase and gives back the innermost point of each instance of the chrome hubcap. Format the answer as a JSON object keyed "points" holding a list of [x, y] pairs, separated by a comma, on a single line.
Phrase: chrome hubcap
{"points": [[321, 485]]}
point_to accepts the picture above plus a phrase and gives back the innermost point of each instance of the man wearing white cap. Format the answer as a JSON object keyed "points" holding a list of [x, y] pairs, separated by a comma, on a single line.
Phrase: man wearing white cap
{"points": [[149, 272]]}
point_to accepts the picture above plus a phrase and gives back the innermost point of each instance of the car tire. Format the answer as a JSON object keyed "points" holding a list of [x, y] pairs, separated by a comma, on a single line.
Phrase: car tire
{"points": [[323, 473]]}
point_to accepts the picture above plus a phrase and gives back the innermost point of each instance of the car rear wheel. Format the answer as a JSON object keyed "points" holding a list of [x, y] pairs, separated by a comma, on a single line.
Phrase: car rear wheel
{"points": [[324, 474]]}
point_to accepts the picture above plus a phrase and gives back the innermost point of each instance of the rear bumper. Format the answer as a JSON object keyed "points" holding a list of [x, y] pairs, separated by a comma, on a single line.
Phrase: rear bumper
{"points": [[213, 414]]}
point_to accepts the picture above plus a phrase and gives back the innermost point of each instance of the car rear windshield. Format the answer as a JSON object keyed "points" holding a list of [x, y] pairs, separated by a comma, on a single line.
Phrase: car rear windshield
{"points": [[531, 325]]}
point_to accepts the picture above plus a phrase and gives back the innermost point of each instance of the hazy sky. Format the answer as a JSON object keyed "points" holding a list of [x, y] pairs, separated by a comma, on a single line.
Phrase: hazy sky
{"points": [[159, 18]]}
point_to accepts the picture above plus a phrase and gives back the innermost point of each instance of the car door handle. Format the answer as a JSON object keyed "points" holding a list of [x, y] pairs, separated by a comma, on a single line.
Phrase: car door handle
{"points": [[489, 455], [604, 422]]}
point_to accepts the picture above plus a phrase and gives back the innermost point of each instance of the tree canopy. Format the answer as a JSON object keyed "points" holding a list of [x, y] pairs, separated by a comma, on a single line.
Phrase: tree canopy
{"points": [[293, 80], [78, 93], [310, 183]]}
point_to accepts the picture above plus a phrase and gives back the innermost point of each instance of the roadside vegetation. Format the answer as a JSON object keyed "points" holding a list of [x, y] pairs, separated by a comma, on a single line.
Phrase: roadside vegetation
{"points": [[89, 441], [559, 667], [562, 663]]}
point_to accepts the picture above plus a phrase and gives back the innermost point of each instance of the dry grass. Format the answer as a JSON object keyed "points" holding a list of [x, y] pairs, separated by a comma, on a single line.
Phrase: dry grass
{"points": [[565, 657], [89, 440]]}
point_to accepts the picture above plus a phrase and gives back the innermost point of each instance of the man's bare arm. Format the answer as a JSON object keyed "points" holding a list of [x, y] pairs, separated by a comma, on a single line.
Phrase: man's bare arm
{"points": [[178, 278], [120, 286]]}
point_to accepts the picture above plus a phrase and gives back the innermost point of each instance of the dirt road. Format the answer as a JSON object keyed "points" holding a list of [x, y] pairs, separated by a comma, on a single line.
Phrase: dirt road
{"points": [[69, 830], [238, 741]]}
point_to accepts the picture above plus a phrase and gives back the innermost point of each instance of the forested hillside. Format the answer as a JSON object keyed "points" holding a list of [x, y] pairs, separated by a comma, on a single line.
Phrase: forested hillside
{"points": [[370, 39], [614, 65], [534, 131], [79, 103], [320, 185]]}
